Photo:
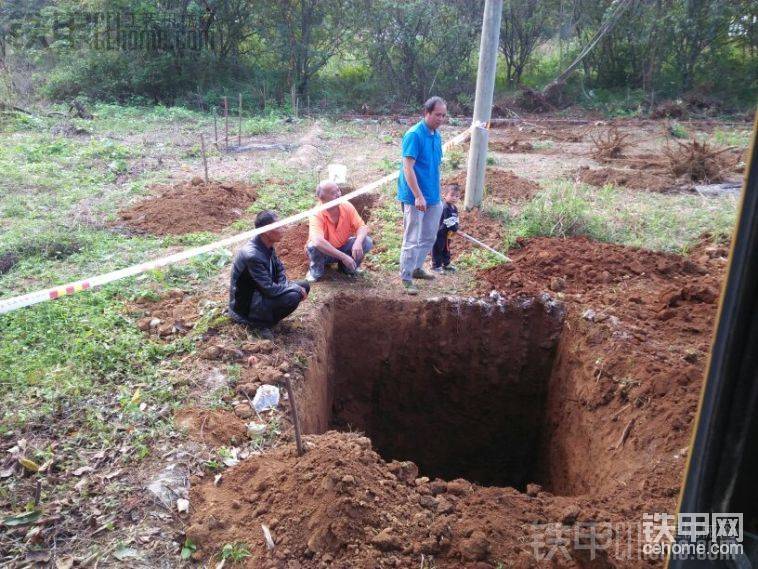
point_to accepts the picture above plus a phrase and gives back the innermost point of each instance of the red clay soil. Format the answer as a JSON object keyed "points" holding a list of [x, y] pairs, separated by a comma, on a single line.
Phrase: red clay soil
{"points": [[632, 179], [502, 186], [342, 506], [479, 225], [619, 407], [291, 249], [640, 329], [215, 427], [189, 207]]}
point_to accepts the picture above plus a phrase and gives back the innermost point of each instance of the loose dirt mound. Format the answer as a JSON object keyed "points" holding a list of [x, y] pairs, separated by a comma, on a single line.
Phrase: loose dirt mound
{"points": [[189, 207], [214, 427], [634, 180], [582, 264], [291, 249], [500, 185], [342, 506]]}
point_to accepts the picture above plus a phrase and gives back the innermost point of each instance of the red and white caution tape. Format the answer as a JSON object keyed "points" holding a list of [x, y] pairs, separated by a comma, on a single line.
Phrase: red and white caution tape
{"points": [[29, 299]]}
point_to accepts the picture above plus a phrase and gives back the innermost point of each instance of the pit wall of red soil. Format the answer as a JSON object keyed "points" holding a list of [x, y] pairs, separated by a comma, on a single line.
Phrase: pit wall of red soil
{"points": [[425, 384], [624, 390]]}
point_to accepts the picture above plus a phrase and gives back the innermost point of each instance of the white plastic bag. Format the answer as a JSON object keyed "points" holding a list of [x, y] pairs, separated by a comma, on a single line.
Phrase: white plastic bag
{"points": [[266, 397]]}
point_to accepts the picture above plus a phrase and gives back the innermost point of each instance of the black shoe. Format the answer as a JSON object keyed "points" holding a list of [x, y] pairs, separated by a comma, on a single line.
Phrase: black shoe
{"points": [[265, 333]]}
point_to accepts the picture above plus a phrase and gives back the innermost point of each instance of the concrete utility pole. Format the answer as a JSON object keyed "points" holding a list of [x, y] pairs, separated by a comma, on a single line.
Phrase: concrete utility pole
{"points": [[485, 88]]}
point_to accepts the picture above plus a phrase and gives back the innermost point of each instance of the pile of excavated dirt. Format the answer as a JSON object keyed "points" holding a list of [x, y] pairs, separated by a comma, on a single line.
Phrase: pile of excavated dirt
{"points": [[291, 249], [188, 207], [632, 179], [501, 186], [342, 506], [627, 378], [623, 345]]}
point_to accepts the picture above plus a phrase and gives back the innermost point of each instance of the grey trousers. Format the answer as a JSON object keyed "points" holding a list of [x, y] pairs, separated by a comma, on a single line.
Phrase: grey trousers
{"points": [[419, 232], [319, 260]]}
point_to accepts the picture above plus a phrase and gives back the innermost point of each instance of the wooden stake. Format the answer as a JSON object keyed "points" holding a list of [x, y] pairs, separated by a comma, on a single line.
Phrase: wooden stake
{"points": [[226, 123], [293, 99], [215, 128], [205, 159], [295, 418], [37, 492], [239, 130]]}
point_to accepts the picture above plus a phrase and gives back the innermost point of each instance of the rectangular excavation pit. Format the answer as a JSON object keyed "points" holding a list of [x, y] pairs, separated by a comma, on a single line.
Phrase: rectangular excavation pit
{"points": [[457, 386]]}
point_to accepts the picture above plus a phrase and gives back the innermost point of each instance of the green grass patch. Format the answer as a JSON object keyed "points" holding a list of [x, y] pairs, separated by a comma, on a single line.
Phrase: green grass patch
{"points": [[387, 220], [562, 210], [659, 222], [292, 193], [57, 356], [739, 138]]}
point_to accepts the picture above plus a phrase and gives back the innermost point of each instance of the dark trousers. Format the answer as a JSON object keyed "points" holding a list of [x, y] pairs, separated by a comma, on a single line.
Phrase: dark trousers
{"points": [[273, 310], [441, 250]]}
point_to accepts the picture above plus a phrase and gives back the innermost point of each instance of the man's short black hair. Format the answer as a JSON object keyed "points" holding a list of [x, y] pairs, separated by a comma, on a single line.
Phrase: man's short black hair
{"points": [[266, 217], [432, 102]]}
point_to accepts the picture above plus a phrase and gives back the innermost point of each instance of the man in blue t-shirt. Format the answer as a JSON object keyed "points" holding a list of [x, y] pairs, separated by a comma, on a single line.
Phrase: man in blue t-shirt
{"points": [[418, 190]]}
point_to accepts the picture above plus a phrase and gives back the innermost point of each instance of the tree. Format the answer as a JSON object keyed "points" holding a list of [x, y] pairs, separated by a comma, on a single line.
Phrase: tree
{"points": [[525, 24], [416, 47], [304, 35]]}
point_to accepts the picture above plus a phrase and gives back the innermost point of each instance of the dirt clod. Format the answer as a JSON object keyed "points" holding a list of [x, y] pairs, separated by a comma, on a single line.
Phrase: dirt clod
{"points": [[215, 427]]}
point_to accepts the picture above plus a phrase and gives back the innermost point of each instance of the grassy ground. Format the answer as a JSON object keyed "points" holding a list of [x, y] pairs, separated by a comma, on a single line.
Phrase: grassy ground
{"points": [[76, 375]]}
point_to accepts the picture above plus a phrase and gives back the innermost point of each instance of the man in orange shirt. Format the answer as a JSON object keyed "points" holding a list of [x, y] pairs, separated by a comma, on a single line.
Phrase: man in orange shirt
{"points": [[336, 235]]}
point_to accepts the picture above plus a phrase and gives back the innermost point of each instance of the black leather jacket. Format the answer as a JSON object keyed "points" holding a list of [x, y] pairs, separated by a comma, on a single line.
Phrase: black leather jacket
{"points": [[257, 275]]}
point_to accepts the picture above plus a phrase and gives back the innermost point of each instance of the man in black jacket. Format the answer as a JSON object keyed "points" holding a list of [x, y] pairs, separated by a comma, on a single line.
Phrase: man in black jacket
{"points": [[260, 294]]}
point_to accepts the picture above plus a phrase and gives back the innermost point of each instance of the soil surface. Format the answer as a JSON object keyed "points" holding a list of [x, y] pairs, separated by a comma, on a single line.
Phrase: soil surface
{"points": [[215, 427], [632, 179], [189, 207], [620, 401], [501, 186]]}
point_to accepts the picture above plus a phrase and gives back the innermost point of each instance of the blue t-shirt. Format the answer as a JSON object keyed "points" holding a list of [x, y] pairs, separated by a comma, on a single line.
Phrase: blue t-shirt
{"points": [[425, 147]]}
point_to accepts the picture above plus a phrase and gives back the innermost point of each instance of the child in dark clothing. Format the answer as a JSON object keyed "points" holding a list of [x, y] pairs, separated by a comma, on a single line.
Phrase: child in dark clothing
{"points": [[448, 226]]}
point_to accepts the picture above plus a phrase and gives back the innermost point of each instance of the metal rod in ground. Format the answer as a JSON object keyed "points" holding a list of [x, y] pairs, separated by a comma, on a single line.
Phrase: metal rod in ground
{"points": [[226, 123], [215, 128], [239, 129], [295, 418], [490, 249], [205, 159]]}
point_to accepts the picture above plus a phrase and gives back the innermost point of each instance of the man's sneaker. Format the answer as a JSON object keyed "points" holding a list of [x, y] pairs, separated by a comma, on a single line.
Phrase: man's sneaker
{"points": [[437, 269], [265, 333], [310, 278], [410, 288], [449, 268], [423, 275]]}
